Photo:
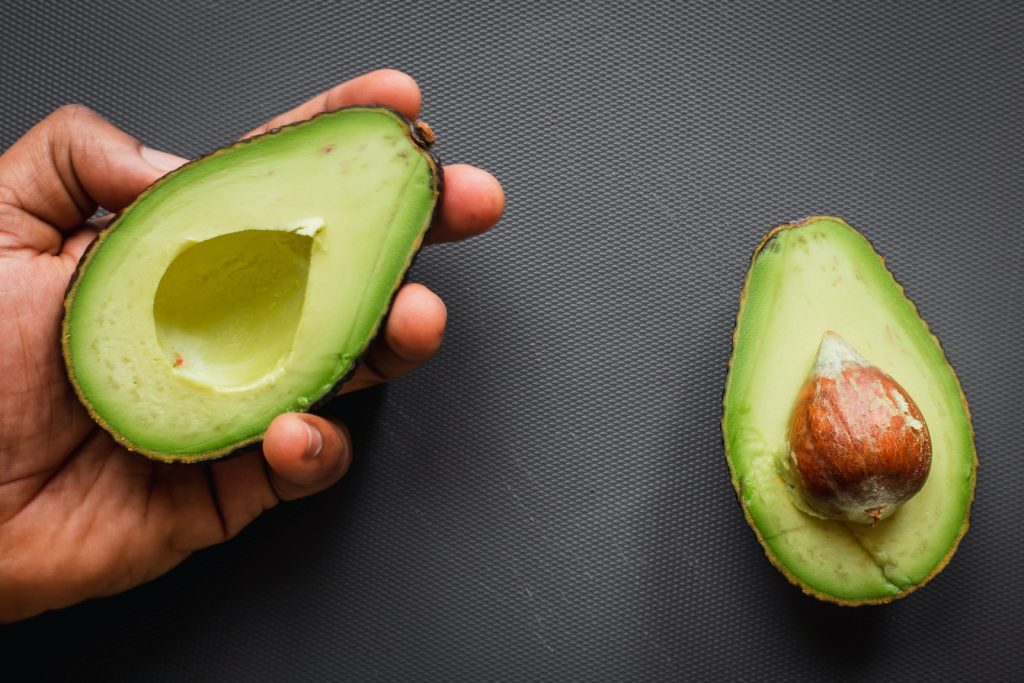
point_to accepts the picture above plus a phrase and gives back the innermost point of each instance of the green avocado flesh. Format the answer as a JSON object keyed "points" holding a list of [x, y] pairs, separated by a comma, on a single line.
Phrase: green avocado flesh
{"points": [[247, 283], [807, 279]]}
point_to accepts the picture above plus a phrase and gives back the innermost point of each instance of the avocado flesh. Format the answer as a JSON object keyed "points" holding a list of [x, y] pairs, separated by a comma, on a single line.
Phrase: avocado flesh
{"points": [[247, 283], [807, 279]]}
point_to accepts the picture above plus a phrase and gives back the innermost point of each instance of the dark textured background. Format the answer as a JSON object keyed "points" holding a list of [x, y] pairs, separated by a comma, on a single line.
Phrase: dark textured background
{"points": [[548, 498]]}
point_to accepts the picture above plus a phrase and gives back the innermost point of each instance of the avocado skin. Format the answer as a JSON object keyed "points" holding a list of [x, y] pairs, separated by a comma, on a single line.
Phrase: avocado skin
{"points": [[418, 132], [766, 243]]}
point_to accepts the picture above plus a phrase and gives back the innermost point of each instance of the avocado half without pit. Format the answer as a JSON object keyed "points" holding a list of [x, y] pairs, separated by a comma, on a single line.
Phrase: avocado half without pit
{"points": [[248, 283], [846, 431]]}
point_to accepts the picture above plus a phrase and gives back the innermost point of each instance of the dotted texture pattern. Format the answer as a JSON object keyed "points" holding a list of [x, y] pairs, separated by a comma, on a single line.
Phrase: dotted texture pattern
{"points": [[548, 499]]}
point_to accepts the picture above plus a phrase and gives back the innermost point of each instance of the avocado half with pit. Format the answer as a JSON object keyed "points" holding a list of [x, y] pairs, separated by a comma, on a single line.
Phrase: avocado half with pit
{"points": [[808, 280], [248, 283]]}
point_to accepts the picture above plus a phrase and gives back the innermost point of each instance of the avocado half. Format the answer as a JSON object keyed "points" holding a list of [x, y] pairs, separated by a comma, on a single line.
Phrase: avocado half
{"points": [[805, 279], [247, 283]]}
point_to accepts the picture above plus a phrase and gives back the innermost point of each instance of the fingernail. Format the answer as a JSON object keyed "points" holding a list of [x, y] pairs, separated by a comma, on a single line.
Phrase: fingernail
{"points": [[162, 161], [315, 443]]}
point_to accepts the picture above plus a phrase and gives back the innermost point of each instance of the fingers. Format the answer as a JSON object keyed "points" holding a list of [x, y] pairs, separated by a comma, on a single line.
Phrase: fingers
{"points": [[473, 201], [412, 335], [75, 160], [75, 245], [68, 164], [242, 491], [384, 87], [305, 454], [302, 455]]}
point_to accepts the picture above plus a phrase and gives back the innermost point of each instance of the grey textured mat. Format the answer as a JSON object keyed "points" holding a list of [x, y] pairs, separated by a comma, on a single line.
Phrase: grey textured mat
{"points": [[548, 498]]}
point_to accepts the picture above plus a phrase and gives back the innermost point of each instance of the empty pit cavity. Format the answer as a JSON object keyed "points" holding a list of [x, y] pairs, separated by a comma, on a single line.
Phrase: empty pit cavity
{"points": [[227, 309]]}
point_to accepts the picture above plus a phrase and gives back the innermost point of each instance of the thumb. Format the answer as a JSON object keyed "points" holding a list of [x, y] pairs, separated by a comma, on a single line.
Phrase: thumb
{"points": [[70, 163]]}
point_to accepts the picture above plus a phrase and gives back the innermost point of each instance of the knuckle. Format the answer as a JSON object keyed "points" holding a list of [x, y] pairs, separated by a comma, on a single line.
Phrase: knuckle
{"points": [[70, 112], [67, 118]]}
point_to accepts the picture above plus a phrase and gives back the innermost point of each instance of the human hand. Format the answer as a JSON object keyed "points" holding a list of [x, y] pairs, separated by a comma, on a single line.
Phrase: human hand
{"points": [[80, 516]]}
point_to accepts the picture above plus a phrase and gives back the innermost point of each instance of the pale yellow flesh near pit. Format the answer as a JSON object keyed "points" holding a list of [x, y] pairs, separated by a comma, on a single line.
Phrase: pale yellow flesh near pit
{"points": [[808, 280], [247, 285]]}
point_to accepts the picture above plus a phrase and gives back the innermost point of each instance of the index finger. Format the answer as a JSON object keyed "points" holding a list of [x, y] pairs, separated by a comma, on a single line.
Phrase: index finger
{"points": [[386, 87]]}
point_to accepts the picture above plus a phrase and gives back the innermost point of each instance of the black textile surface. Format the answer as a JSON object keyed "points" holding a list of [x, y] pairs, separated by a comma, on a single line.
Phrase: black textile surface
{"points": [[549, 498]]}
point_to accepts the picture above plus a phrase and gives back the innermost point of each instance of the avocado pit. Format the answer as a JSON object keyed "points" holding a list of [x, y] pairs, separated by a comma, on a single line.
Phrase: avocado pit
{"points": [[859, 445]]}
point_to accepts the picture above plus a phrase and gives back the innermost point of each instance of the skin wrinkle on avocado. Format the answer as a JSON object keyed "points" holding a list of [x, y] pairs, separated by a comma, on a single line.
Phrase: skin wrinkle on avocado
{"points": [[247, 283], [805, 279]]}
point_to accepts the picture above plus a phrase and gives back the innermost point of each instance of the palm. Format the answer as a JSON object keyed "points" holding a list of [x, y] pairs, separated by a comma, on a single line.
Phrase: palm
{"points": [[79, 515], [73, 500]]}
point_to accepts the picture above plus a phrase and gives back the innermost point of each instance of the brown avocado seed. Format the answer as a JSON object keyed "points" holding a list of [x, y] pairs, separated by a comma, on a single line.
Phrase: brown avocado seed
{"points": [[859, 446]]}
